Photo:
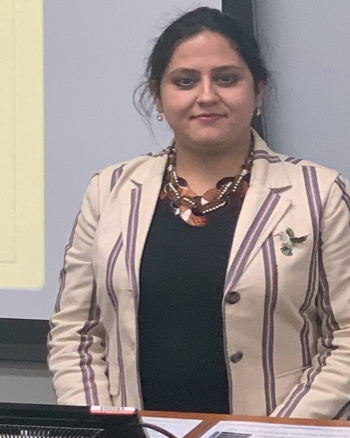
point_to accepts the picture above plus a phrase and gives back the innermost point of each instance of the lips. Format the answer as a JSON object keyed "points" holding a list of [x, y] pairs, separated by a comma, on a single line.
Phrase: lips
{"points": [[208, 116]]}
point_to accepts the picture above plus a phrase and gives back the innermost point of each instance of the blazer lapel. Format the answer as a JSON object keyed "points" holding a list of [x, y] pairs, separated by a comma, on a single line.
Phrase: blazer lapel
{"points": [[141, 195], [262, 209]]}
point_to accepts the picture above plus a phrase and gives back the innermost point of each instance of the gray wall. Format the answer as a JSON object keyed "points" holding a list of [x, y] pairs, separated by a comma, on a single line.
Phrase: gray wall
{"points": [[306, 46], [25, 383]]}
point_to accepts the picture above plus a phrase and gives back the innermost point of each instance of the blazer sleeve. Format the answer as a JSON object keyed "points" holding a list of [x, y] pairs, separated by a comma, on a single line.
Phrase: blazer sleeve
{"points": [[77, 339], [324, 390]]}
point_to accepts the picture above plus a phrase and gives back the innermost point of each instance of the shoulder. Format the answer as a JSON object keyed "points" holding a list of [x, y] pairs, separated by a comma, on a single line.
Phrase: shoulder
{"points": [[290, 162], [314, 174], [307, 168], [136, 168], [110, 181], [301, 177], [294, 167]]}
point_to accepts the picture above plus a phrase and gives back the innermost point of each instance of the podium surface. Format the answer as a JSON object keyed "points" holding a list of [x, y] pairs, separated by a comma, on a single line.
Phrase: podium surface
{"points": [[210, 420]]}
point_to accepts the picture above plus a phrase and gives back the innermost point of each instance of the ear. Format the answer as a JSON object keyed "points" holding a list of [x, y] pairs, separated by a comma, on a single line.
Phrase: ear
{"points": [[159, 106], [259, 94], [156, 96]]}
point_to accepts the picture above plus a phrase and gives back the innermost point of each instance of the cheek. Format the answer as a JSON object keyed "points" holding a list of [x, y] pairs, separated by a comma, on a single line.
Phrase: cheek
{"points": [[242, 98], [176, 107], [243, 109]]}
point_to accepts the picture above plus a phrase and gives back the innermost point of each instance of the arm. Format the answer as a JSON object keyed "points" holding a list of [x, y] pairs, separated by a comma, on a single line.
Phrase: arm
{"points": [[324, 390], [76, 340]]}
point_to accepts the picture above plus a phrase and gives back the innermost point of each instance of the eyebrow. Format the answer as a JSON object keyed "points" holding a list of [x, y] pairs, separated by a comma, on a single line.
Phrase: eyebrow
{"points": [[215, 70]]}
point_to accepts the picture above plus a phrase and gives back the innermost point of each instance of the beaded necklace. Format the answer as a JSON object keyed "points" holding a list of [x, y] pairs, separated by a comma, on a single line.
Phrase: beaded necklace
{"points": [[185, 202]]}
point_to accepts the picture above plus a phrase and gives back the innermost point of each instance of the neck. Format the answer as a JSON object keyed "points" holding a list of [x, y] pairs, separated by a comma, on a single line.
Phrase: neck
{"points": [[202, 170]]}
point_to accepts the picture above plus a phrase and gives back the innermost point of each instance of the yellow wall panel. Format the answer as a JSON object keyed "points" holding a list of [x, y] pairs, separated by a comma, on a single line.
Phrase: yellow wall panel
{"points": [[21, 144]]}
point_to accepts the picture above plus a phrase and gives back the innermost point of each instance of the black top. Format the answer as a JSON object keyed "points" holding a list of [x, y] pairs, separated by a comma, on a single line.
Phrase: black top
{"points": [[181, 348]]}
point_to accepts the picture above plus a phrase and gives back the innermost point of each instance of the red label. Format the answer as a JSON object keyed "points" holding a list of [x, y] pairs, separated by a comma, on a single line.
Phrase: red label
{"points": [[111, 410]]}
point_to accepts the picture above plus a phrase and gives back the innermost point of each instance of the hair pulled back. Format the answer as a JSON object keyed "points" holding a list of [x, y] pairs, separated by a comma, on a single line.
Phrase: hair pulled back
{"points": [[188, 25]]}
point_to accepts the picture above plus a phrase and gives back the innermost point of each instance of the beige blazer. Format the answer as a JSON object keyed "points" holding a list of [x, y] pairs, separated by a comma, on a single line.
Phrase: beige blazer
{"points": [[287, 338]]}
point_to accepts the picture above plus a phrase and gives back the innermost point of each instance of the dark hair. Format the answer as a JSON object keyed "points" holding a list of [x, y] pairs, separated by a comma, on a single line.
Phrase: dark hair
{"points": [[190, 24]]}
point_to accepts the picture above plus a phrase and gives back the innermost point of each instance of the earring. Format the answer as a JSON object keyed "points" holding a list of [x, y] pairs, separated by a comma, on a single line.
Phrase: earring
{"points": [[258, 112], [160, 117]]}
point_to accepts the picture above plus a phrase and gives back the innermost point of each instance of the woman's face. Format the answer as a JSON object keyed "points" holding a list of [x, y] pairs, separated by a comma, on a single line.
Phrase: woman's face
{"points": [[207, 93]]}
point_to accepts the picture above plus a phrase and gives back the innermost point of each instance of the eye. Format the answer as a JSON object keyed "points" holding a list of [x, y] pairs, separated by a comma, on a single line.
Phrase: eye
{"points": [[227, 80], [185, 82]]}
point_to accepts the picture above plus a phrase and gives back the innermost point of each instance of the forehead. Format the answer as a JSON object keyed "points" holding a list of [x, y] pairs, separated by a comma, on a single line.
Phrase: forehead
{"points": [[205, 50]]}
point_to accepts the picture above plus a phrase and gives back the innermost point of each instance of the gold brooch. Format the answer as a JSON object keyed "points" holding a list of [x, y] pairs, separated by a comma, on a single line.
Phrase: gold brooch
{"points": [[288, 241]]}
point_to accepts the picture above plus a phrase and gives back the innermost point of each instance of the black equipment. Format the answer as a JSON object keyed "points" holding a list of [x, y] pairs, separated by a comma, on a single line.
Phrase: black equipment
{"points": [[19, 420]]}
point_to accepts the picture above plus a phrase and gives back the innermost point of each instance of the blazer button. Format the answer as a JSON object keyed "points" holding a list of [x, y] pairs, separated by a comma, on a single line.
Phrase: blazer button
{"points": [[232, 297], [236, 357]]}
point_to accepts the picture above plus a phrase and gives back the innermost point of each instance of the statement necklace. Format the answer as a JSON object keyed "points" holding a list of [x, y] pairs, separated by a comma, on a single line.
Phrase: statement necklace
{"points": [[214, 199]]}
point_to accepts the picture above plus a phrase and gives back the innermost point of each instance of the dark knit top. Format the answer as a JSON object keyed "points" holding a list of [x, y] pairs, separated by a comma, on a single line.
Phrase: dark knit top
{"points": [[181, 344]]}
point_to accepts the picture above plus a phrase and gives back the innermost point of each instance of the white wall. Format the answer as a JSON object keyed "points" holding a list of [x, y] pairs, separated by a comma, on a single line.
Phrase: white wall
{"points": [[306, 46]]}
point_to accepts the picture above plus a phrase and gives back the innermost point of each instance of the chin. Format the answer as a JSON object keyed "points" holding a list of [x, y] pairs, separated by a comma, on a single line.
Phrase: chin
{"points": [[209, 142]]}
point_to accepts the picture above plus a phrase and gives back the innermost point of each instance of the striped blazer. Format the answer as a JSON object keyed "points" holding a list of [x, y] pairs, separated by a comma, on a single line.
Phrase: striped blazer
{"points": [[287, 339]]}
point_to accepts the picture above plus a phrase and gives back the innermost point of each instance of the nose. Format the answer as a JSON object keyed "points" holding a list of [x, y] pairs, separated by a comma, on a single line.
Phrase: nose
{"points": [[207, 93]]}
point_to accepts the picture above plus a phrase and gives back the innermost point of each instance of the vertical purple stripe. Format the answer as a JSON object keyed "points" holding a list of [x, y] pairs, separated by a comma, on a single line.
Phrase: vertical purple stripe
{"points": [[325, 302], [315, 207], [250, 239], [242, 255], [268, 328], [86, 340], [130, 257], [303, 388], [63, 272], [345, 195], [116, 175], [131, 238], [113, 297], [330, 322], [340, 183]]}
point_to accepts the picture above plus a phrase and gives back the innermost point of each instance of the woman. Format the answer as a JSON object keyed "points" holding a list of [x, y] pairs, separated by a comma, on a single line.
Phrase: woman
{"points": [[213, 276]]}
